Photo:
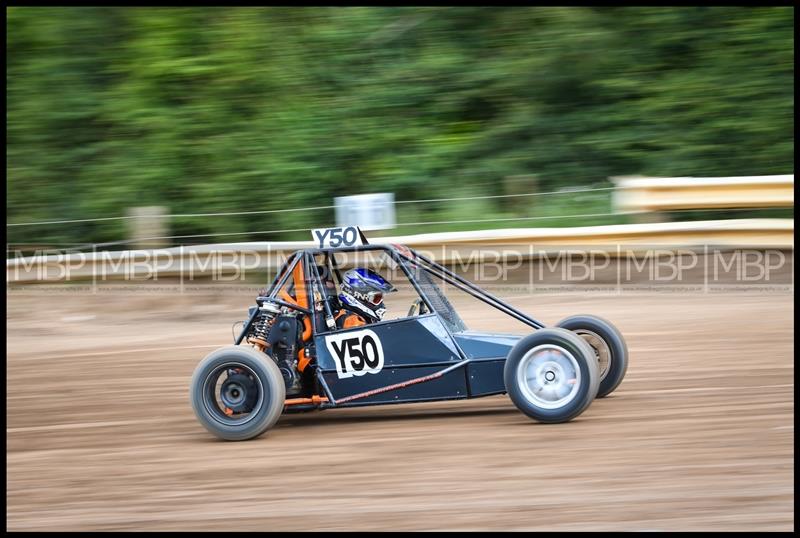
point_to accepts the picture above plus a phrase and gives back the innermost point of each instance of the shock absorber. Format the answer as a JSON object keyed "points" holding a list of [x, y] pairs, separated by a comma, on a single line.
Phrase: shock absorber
{"points": [[266, 315]]}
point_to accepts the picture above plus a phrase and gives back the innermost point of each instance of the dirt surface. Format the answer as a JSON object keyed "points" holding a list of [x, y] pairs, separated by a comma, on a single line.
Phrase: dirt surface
{"points": [[101, 435]]}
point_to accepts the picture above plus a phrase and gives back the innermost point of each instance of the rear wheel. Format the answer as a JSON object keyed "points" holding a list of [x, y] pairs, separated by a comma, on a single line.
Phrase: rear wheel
{"points": [[237, 393], [551, 375], [608, 346]]}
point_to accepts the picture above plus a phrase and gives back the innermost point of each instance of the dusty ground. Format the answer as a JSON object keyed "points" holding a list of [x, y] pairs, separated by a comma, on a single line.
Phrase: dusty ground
{"points": [[101, 435]]}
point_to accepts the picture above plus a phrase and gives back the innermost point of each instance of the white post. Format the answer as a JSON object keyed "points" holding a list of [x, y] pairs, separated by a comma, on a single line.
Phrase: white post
{"points": [[149, 227]]}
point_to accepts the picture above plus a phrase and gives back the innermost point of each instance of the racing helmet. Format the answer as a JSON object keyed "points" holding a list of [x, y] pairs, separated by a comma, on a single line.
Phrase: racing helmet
{"points": [[362, 291]]}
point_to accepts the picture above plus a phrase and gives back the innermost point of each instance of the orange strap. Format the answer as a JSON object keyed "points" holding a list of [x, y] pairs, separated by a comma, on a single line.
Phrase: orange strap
{"points": [[351, 319]]}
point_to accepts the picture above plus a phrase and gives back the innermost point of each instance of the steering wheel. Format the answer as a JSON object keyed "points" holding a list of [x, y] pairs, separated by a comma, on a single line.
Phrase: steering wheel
{"points": [[419, 304]]}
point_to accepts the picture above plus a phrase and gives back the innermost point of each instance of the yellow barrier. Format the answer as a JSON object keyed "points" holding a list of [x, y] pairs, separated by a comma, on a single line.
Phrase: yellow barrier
{"points": [[663, 194]]}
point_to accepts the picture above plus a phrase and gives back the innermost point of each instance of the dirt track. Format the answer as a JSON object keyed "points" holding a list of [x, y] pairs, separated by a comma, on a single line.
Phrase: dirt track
{"points": [[699, 436]]}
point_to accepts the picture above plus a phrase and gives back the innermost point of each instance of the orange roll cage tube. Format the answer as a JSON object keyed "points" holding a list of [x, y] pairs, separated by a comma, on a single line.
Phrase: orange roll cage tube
{"points": [[313, 400], [302, 300]]}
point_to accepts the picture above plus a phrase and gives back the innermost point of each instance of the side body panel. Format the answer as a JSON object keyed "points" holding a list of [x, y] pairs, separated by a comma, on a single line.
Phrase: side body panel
{"points": [[364, 358], [361, 359], [487, 354]]}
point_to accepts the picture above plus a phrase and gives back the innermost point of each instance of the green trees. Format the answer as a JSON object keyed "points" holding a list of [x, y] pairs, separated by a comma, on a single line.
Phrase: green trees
{"points": [[245, 109]]}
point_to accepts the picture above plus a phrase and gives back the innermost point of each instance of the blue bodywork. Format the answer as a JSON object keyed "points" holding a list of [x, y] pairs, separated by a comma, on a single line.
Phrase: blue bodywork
{"points": [[426, 357], [416, 347]]}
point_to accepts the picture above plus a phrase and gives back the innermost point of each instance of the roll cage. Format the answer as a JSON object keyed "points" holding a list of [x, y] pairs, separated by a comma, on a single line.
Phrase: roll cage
{"points": [[303, 263]]}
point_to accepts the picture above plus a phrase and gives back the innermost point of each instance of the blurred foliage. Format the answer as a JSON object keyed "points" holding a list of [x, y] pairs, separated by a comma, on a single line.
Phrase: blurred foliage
{"points": [[243, 109]]}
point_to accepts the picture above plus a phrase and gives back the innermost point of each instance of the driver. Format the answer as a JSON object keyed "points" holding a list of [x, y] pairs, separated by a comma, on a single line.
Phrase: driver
{"points": [[362, 298]]}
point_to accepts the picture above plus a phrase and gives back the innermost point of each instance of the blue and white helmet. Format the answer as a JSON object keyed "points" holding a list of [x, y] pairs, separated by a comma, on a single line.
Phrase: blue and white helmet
{"points": [[363, 289]]}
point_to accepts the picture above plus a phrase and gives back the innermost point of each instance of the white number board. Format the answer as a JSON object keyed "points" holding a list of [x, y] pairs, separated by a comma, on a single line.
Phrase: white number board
{"points": [[338, 237], [367, 211], [356, 353]]}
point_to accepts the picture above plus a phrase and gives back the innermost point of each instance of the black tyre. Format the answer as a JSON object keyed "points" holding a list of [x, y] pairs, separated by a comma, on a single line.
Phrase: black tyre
{"points": [[551, 375], [237, 393], [608, 345]]}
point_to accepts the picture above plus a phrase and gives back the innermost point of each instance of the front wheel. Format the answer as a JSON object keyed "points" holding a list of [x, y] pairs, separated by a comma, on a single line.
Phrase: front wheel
{"points": [[551, 375], [608, 345], [237, 393]]}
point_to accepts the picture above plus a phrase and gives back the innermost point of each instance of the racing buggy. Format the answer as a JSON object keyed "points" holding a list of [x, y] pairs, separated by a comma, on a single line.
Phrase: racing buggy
{"points": [[291, 356]]}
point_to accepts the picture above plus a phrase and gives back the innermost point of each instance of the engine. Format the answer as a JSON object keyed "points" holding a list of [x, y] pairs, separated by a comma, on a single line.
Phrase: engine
{"points": [[278, 332]]}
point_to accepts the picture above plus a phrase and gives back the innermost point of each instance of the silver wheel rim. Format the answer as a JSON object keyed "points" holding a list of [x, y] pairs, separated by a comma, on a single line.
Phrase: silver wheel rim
{"points": [[601, 350], [549, 376], [212, 397]]}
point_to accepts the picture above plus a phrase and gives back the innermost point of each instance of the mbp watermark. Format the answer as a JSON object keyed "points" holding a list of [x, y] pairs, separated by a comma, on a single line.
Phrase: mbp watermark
{"points": [[747, 265], [587, 269]]}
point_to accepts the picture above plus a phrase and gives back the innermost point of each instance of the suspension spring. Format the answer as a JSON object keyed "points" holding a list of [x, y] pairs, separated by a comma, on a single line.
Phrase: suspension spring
{"points": [[266, 315], [261, 329]]}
